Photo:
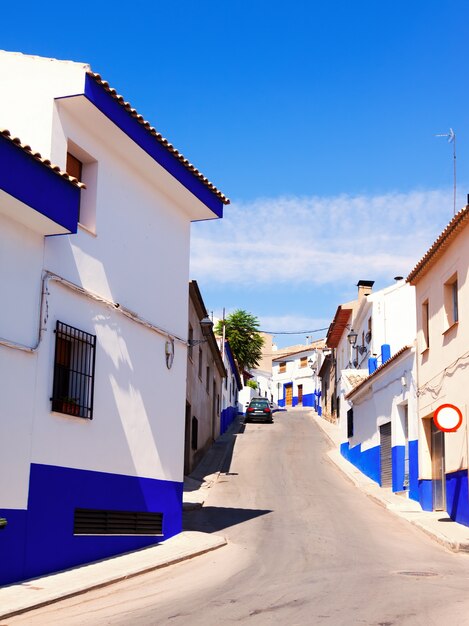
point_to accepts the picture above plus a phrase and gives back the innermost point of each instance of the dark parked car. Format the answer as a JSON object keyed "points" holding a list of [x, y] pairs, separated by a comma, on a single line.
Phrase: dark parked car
{"points": [[258, 409]]}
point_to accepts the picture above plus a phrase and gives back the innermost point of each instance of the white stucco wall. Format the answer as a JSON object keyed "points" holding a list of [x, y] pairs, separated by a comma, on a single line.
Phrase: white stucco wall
{"points": [[37, 80], [21, 255], [442, 367], [382, 401], [138, 257]]}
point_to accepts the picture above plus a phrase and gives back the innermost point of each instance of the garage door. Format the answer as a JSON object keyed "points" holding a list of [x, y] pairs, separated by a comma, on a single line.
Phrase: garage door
{"points": [[385, 454]]}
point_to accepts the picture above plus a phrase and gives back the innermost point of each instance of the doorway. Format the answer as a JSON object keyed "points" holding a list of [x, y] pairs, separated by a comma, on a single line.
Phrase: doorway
{"points": [[289, 394], [438, 468], [187, 440], [300, 395], [385, 455]]}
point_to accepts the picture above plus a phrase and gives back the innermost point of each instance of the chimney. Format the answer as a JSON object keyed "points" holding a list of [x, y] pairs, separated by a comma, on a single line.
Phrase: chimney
{"points": [[364, 288]]}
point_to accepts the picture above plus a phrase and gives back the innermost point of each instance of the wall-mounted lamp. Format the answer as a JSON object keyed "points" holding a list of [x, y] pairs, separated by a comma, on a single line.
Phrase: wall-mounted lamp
{"points": [[352, 337], [206, 325]]}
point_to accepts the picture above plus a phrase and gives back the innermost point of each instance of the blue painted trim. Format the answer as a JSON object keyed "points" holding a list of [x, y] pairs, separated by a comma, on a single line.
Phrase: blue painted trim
{"points": [[109, 106], [426, 495], [344, 448], [40, 540], [368, 461], [284, 401], [234, 369], [414, 470], [226, 418], [385, 352], [398, 468], [457, 497], [308, 399], [31, 182]]}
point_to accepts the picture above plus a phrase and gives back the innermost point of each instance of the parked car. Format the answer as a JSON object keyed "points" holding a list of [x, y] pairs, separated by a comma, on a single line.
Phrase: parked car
{"points": [[258, 409]]}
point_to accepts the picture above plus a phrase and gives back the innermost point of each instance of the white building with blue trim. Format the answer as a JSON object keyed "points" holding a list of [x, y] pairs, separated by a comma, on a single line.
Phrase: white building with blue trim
{"points": [[378, 403], [231, 388], [93, 329], [294, 379]]}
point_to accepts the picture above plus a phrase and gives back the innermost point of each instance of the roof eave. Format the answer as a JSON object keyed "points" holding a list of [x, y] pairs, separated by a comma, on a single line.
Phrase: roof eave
{"points": [[132, 124]]}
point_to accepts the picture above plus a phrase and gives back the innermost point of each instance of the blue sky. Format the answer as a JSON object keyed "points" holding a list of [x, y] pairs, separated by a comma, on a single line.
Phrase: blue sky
{"points": [[317, 119]]}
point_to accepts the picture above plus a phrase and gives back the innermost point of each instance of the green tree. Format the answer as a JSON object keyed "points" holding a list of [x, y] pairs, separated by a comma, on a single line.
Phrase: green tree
{"points": [[242, 333]]}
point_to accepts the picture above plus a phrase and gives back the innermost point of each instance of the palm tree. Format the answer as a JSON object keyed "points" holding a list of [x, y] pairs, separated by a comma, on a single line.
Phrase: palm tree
{"points": [[242, 333]]}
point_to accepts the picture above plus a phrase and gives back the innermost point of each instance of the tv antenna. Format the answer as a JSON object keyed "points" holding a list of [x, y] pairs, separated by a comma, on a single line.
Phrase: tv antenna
{"points": [[451, 136]]}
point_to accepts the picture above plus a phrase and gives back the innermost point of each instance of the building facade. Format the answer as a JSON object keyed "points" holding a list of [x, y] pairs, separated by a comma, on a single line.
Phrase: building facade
{"points": [[294, 375], [376, 391], [93, 347], [442, 293], [206, 375]]}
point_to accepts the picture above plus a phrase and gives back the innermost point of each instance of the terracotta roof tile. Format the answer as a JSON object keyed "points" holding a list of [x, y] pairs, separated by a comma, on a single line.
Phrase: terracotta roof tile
{"points": [[458, 222], [159, 137], [36, 155]]}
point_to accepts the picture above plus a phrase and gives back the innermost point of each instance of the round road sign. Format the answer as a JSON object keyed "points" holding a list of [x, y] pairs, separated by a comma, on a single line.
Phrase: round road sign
{"points": [[447, 418]]}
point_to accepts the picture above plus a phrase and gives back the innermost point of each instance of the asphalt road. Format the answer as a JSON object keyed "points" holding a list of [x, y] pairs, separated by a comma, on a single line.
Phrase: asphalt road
{"points": [[305, 547]]}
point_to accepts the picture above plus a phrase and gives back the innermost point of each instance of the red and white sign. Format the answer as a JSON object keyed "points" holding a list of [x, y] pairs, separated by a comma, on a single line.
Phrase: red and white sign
{"points": [[447, 418]]}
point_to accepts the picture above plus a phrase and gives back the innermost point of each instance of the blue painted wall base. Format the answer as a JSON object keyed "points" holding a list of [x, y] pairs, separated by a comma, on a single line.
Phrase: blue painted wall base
{"points": [[414, 470], [368, 461], [426, 495], [226, 418], [398, 468], [41, 540], [457, 502]]}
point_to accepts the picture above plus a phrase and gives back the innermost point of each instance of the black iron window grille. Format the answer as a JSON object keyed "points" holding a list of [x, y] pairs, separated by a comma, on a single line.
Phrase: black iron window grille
{"points": [[74, 364]]}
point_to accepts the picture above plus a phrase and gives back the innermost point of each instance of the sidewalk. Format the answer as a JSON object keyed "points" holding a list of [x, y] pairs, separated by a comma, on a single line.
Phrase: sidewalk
{"points": [[21, 597], [436, 524]]}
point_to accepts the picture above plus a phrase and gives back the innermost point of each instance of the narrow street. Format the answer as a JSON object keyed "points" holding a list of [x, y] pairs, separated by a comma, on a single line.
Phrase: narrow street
{"points": [[305, 547]]}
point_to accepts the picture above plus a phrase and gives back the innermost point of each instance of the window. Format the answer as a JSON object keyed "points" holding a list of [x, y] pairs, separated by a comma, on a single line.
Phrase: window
{"points": [[425, 326], [195, 433], [350, 423], [304, 361], [73, 371], [191, 338], [74, 167], [200, 363], [207, 382], [451, 301], [283, 367], [84, 167]]}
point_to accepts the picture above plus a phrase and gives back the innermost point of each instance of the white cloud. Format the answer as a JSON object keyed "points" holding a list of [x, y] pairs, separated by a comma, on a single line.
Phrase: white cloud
{"points": [[318, 240], [292, 324]]}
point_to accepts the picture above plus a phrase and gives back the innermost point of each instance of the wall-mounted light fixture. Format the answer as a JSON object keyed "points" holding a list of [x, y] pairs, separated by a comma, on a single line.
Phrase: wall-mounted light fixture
{"points": [[206, 325], [352, 339]]}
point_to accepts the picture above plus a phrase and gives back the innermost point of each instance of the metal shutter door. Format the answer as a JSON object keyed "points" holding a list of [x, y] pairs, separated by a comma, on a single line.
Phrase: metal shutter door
{"points": [[385, 455]]}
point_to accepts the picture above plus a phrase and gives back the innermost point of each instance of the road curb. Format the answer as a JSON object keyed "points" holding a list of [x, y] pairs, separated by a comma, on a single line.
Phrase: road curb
{"points": [[17, 599], [427, 521]]}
